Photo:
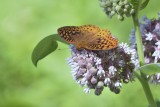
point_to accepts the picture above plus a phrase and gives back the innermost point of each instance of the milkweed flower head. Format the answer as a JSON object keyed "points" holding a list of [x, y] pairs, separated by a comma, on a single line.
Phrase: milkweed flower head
{"points": [[150, 32], [103, 68], [120, 7]]}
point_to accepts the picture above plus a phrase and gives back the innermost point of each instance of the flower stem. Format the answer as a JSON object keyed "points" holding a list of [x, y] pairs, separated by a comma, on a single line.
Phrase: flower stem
{"points": [[138, 39], [142, 77], [146, 89]]}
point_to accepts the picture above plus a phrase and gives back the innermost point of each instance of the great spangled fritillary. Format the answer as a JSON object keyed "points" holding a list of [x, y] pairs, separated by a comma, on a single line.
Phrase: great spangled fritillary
{"points": [[88, 37]]}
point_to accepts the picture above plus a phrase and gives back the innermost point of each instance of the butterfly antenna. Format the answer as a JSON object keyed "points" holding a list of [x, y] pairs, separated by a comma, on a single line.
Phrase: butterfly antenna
{"points": [[62, 49]]}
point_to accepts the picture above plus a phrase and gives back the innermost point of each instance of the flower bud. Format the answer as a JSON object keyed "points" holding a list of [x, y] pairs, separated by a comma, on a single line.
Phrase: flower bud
{"points": [[120, 17], [93, 80], [120, 7], [89, 65], [100, 84], [103, 4], [93, 70], [108, 3]]}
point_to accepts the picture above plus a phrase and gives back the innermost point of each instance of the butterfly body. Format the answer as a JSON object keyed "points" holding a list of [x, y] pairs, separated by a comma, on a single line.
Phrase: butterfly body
{"points": [[88, 37]]}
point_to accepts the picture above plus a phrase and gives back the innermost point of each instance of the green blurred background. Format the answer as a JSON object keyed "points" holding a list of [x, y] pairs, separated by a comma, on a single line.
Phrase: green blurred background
{"points": [[24, 23]]}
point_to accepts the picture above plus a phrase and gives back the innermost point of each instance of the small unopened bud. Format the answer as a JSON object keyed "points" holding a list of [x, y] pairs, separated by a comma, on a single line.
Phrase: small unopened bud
{"points": [[103, 4], [89, 60], [117, 91], [98, 91], [120, 17], [112, 13], [132, 11], [89, 65], [125, 10], [93, 80], [125, 1], [109, 9], [114, 4], [108, 3], [121, 3], [82, 70], [118, 8], [93, 71], [100, 84], [115, 1], [81, 62], [127, 6]]}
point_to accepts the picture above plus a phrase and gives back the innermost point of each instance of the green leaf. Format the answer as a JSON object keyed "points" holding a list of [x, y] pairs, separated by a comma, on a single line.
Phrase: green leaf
{"points": [[150, 69], [44, 47], [144, 4]]}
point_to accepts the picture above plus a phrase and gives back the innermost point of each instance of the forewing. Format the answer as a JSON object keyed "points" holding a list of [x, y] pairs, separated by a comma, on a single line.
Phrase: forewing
{"points": [[77, 34], [101, 41], [69, 33], [90, 29], [86, 33]]}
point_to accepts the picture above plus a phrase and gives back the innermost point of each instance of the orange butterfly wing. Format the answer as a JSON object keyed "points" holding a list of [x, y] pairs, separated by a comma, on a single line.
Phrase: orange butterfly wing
{"points": [[86, 33], [89, 29], [77, 35], [101, 41], [88, 37], [68, 33]]}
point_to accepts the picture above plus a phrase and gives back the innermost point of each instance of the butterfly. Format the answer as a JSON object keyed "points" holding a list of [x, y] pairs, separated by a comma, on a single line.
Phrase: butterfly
{"points": [[88, 37]]}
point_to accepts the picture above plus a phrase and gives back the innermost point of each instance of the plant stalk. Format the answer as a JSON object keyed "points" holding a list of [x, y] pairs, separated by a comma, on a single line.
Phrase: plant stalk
{"points": [[146, 89], [142, 77], [138, 39]]}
